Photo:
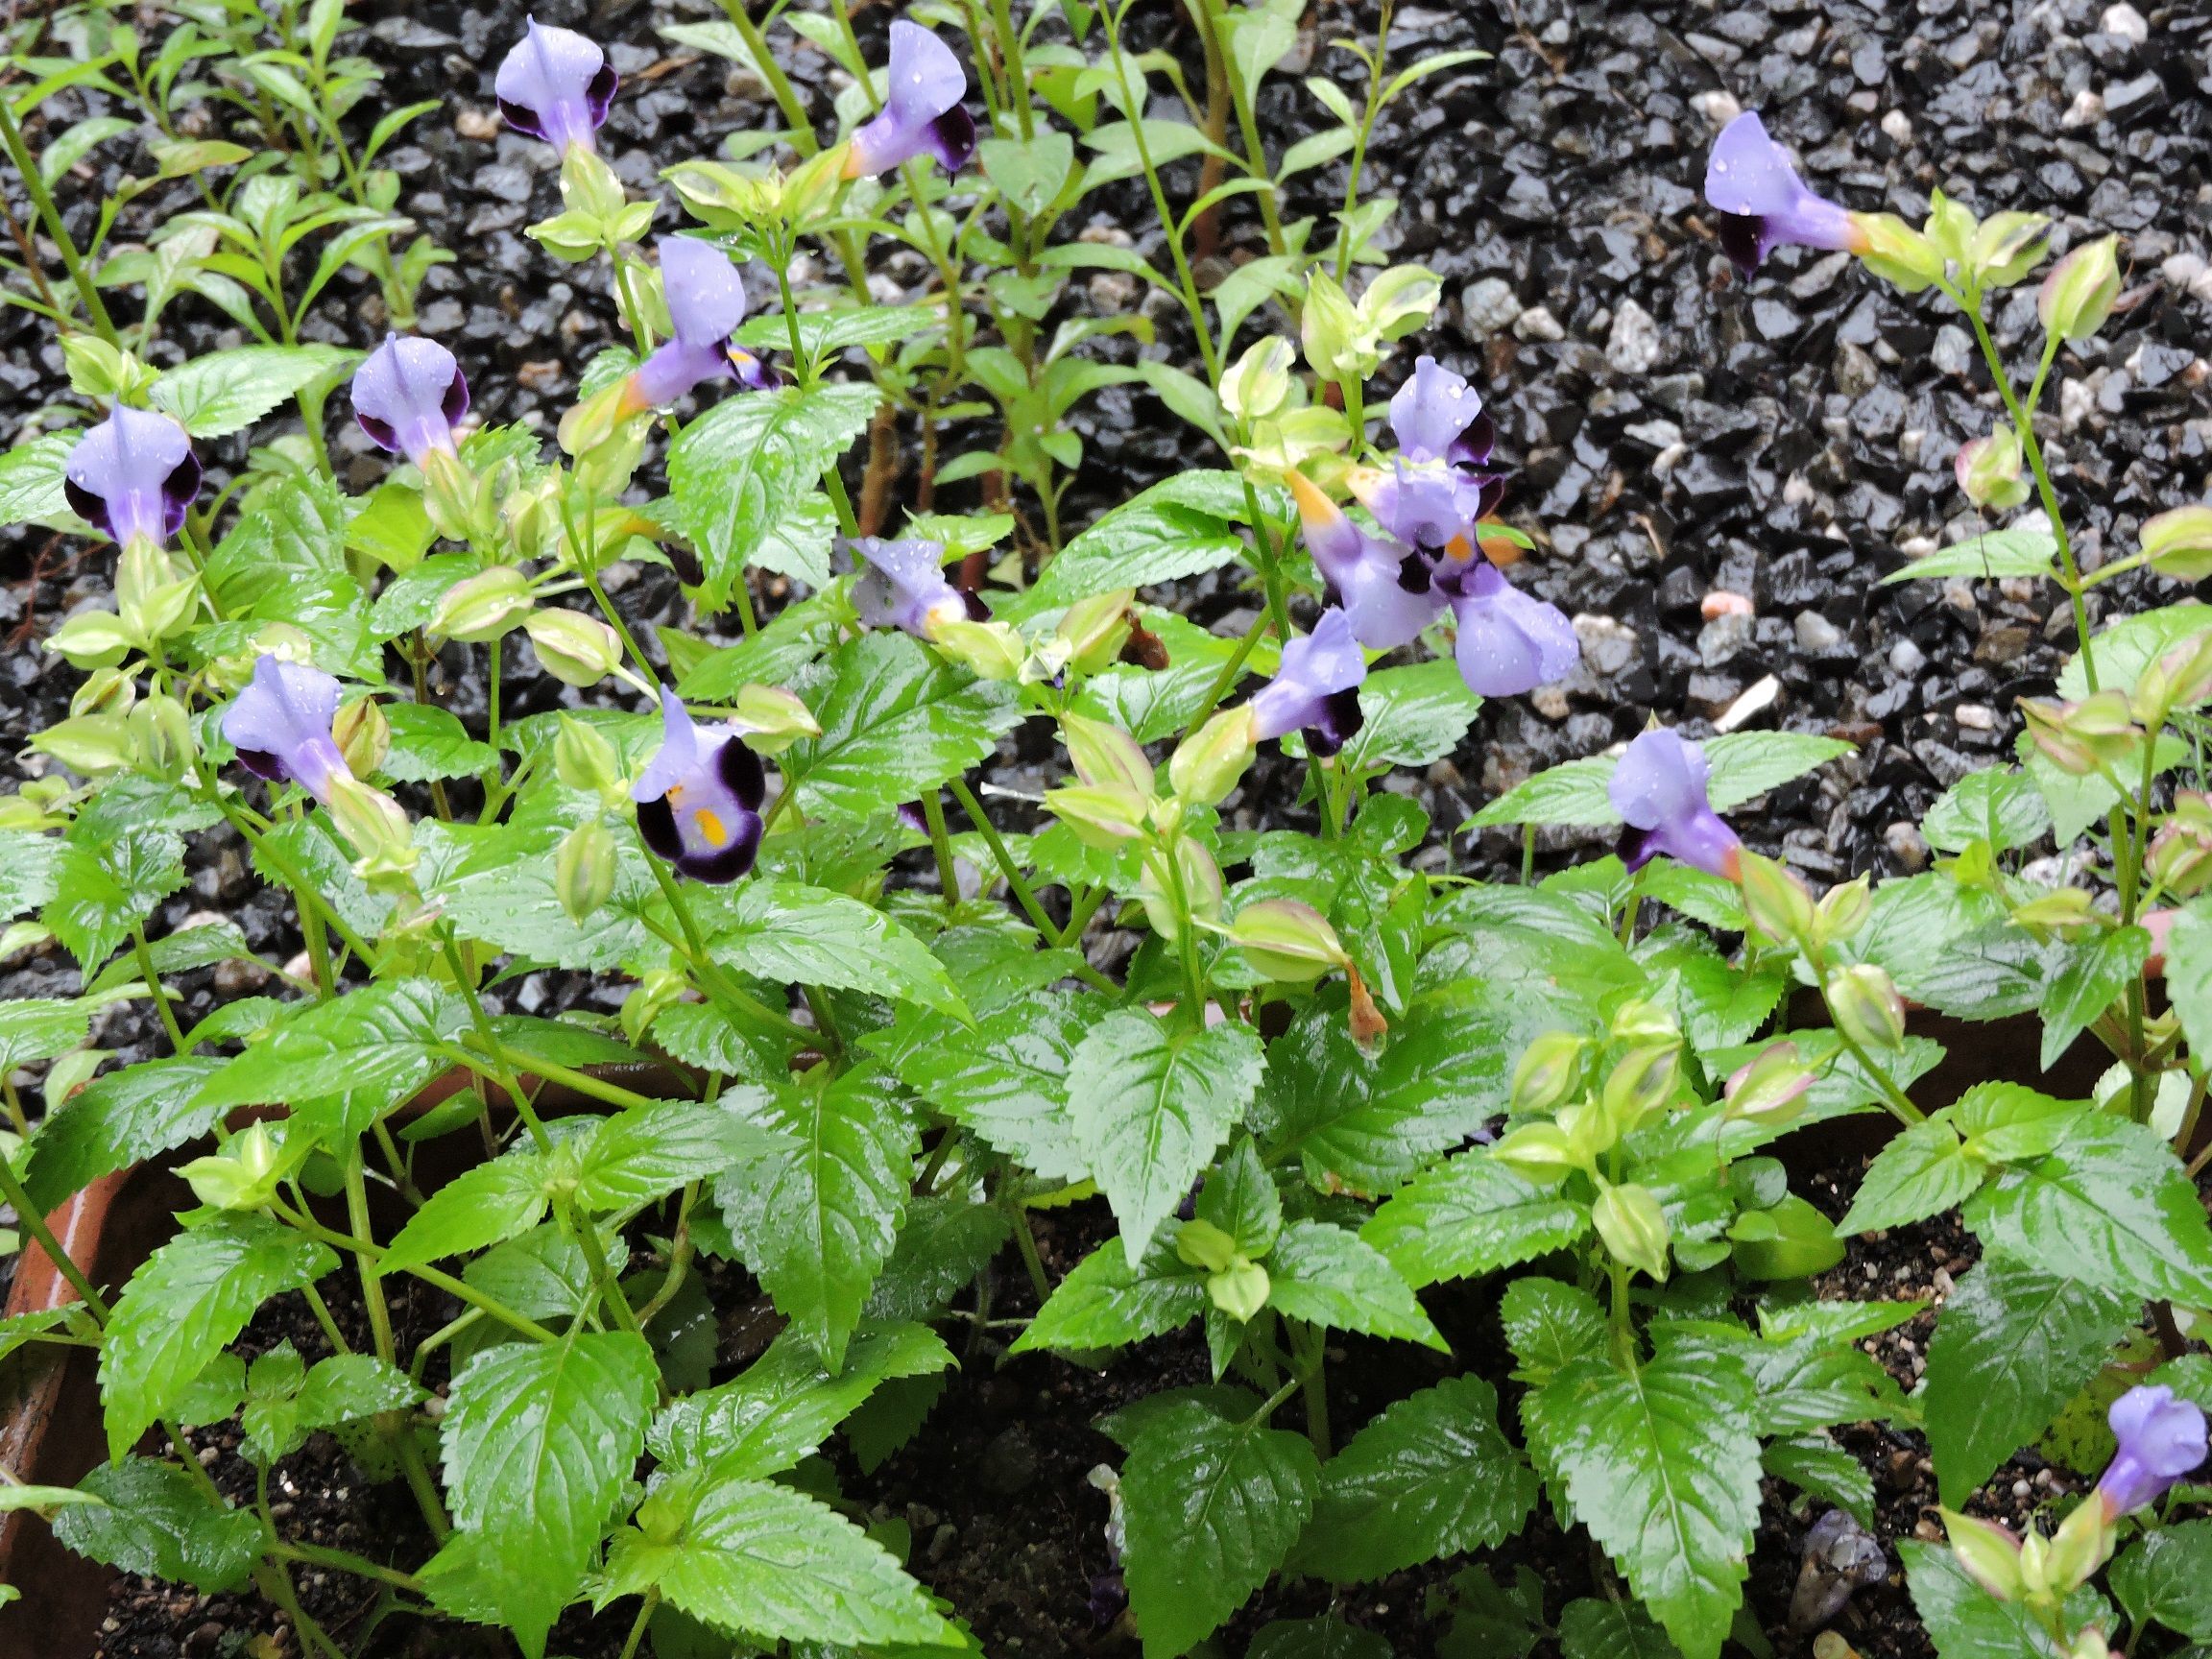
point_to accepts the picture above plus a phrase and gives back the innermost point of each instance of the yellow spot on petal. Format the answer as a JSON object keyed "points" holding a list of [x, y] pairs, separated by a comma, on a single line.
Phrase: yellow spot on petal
{"points": [[711, 827]]}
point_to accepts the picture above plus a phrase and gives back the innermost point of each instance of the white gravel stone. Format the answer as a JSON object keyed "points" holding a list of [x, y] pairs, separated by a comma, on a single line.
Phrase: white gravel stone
{"points": [[1898, 126], [1538, 324], [1757, 698], [1717, 108], [1906, 659], [1815, 633], [2086, 109], [1489, 306], [2125, 21], [1608, 646], [1633, 343]]}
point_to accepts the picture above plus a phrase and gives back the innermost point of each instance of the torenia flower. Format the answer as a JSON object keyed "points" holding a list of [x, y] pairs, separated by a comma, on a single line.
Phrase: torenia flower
{"points": [[556, 85], [1509, 642], [1439, 483], [132, 476], [1762, 202], [904, 587], [1383, 589], [1316, 690], [2161, 1439], [699, 798], [921, 113], [1659, 789], [705, 303], [280, 726], [408, 394]]}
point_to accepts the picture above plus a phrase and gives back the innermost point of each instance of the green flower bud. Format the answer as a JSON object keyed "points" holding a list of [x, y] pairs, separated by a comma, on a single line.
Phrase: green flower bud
{"points": [[377, 830], [89, 745], [2083, 738], [1333, 338], [1550, 1068], [2083, 1544], [1539, 1151], [108, 373], [988, 650], [1630, 1221], [1105, 755], [1990, 470], [1988, 1552], [2180, 856], [1211, 761], [771, 719], [108, 692], [363, 735], [2062, 908], [2180, 542], [242, 1177], [1239, 1289], [2007, 246], [2181, 678], [1843, 910], [589, 185], [1105, 817], [1200, 880], [584, 868], [1640, 1084], [2077, 295], [1096, 629], [1776, 901], [1259, 386], [1200, 1243], [456, 499], [163, 732], [1866, 1006], [662, 988], [1590, 1129], [583, 758], [1897, 254], [483, 608], [575, 649], [93, 640], [1287, 941], [1640, 1020], [1771, 1088], [150, 597]]}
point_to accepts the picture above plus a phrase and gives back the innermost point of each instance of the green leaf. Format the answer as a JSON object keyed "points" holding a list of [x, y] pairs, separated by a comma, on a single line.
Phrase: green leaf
{"points": [[1594, 1630], [815, 1208], [1986, 558], [639, 1154], [30, 867], [1213, 1507], [183, 1307], [1549, 1326], [1816, 1466], [2013, 1345], [2189, 973], [224, 391], [786, 1404], [1316, 1639], [1326, 1276], [896, 725], [1965, 1622], [156, 1521], [496, 882], [759, 1559], [179, 952], [947, 1241], [1573, 793], [479, 1207], [1923, 1172], [115, 1121], [1029, 174], [1177, 528], [2000, 807], [2132, 644], [2168, 1577], [1412, 716], [384, 1041], [35, 1028], [1007, 1081], [740, 469], [31, 491], [1661, 1464], [1241, 1200], [538, 1440], [103, 891], [1105, 1303], [1432, 1475], [789, 933], [1471, 1215], [429, 742], [2110, 1205], [1746, 764], [1156, 1105], [2092, 975]]}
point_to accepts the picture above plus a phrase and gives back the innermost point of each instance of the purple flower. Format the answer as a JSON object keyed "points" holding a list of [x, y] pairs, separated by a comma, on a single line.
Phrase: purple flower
{"points": [[132, 475], [921, 111], [2161, 1439], [1384, 588], [556, 85], [699, 798], [408, 394], [1317, 688], [1659, 789], [1509, 641], [904, 587], [705, 303], [1440, 483], [280, 726], [1762, 202]]}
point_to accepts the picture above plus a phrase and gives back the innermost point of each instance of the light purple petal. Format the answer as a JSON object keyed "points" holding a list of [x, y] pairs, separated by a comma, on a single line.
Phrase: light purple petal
{"points": [[1660, 778], [903, 586], [1383, 589], [280, 724], [677, 755], [133, 475], [1427, 504], [1509, 642], [1431, 410], [2161, 1438], [1313, 669], [706, 295], [926, 84], [674, 368], [555, 84], [408, 394], [1750, 176], [699, 798]]}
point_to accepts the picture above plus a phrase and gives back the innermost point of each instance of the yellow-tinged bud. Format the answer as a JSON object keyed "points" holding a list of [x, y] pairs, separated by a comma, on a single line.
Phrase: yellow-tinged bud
{"points": [[2007, 246], [1867, 1005], [162, 731], [1199, 877], [1591, 1131], [1287, 940], [242, 1177], [1540, 1151], [1630, 1221], [108, 692], [2180, 855], [2083, 1542], [151, 597], [1844, 910], [1640, 1020], [589, 184], [1259, 385], [583, 867], [1988, 1552], [1106, 817], [1104, 756], [1211, 762], [583, 758], [1990, 470], [1639, 1084], [2180, 542], [2078, 293], [2083, 738], [771, 719], [1549, 1071], [1239, 1289], [363, 735], [377, 830], [1096, 629], [987, 650], [2179, 679], [575, 649], [1200, 1243], [1897, 252], [1776, 901], [455, 499], [484, 607], [662, 988], [92, 639], [1771, 1088], [2062, 907]]}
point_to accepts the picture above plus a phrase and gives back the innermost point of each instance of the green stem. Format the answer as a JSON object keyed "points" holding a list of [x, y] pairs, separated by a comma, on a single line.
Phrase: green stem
{"points": [[1026, 1243], [941, 845], [645, 1606], [346, 1561], [42, 202], [1192, 302], [446, 1282], [154, 988], [714, 980], [780, 87], [465, 983]]}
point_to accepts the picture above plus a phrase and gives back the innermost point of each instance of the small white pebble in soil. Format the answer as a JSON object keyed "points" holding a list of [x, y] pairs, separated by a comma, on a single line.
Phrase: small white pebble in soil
{"points": [[2086, 109], [1975, 717], [2125, 21], [1717, 108], [1723, 603], [480, 125], [1538, 324], [1898, 126]]}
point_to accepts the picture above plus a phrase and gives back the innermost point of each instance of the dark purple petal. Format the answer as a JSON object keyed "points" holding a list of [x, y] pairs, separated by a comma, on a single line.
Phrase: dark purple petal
{"points": [[657, 824], [952, 138], [1743, 239], [728, 863], [742, 774], [1340, 717], [1314, 669], [263, 764]]}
